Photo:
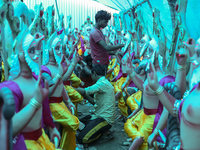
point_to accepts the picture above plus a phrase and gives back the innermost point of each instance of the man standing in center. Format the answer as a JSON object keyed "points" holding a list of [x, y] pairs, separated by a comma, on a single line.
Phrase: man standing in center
{"points": [[100, 51]]}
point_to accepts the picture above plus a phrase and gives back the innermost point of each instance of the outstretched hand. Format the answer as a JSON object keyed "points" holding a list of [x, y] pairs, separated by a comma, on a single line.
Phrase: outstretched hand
{"points": [[63, 66], [71, 107], [54, 133], [181, 56], [127, 64], [40, 93], [152, 78], [151, 139], [75, 58]]}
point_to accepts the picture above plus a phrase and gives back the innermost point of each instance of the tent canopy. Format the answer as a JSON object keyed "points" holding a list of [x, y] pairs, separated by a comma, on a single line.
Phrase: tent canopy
{"points": [[192, 14], [118, 4]]}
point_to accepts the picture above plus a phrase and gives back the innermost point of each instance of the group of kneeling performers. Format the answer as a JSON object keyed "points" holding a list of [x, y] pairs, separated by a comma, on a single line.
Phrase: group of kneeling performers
{"points": [[136, 78]]}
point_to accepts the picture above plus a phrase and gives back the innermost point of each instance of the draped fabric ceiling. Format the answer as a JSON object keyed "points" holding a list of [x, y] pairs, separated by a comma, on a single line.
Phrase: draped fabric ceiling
{"points": [[192, 14], [78, 9], [118, 4]]}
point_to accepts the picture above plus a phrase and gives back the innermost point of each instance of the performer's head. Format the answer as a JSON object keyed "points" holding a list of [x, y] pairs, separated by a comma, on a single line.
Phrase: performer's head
{"points": [[53, 48], [25, 53], [102, 17]]}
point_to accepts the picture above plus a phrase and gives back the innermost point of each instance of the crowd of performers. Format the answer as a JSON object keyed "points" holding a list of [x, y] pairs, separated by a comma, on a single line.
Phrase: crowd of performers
{"points": [[49, 68]]}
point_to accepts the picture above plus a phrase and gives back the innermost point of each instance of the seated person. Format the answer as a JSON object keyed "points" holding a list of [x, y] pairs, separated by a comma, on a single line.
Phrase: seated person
{"points": [[86, 71], [104, 104]]}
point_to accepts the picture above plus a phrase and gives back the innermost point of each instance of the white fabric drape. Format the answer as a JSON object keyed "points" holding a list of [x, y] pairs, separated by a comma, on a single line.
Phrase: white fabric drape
{"points": [[78, 9], [192, 15], [119, 4]]}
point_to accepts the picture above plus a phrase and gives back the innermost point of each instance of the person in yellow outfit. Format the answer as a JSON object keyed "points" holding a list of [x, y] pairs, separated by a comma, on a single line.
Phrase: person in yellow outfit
{"points": [[113, 69], [145, 122], [75, 96], [119, 85], [140, 125], [122, 81], [61, 113], [69, 122]]}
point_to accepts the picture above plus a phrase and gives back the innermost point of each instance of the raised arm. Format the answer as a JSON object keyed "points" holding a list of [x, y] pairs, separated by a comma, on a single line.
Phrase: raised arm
{"points": [[180, 81], [62, 69], [162, 124], [110, 47], [19, 122], [75, 59], [88, 97], [165, 98], [128, 67]]}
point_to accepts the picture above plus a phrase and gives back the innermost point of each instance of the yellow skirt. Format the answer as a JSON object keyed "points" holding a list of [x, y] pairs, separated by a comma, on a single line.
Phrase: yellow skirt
{"points": [[121, 103], [75, 97], [69, 122], [131, 100], [140, 125], [43, 143]]}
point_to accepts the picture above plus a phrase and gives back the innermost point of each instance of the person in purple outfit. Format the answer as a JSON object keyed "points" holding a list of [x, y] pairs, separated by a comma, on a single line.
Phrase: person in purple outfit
{"points": [[100, 51], [30, 95]]}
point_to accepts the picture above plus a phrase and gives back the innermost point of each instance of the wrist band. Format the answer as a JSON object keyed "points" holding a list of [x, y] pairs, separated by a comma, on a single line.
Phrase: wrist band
{"points": [[35, 103], [156, 132], [159, 90], [133, 74], [182, 67], [59, 77]]}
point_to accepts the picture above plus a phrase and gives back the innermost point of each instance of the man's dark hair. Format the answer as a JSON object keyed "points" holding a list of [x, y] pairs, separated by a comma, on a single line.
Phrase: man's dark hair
{"points": [[87, 59], [102, 15], [100, 70]]}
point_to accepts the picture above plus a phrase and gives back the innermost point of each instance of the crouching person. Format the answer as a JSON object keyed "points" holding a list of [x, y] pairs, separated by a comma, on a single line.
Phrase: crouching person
{"points": [[104, 104]]}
